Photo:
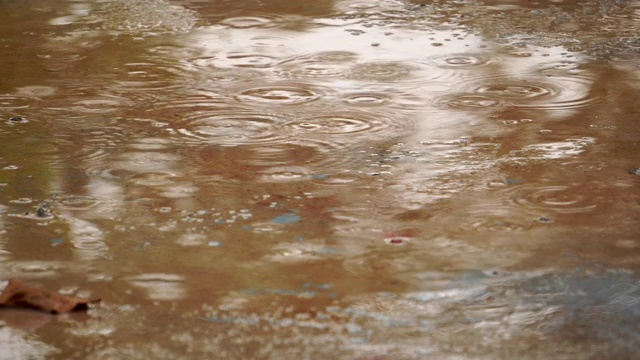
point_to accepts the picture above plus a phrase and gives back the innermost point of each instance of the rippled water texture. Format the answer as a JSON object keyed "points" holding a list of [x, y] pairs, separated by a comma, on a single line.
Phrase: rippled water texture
{"points": [[358, 179]]}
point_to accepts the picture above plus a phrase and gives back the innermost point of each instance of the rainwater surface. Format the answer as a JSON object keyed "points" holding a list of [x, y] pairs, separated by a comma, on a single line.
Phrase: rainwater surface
{"points": [[358, 179]]}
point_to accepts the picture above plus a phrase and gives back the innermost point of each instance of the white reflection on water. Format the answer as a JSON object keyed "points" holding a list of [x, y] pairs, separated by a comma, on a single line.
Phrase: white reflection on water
{"points": [[15, 344], [163, 287]]}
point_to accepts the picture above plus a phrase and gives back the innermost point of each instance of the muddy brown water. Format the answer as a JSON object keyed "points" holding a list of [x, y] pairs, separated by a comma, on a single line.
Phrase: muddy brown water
{"points": [[322, 179]]}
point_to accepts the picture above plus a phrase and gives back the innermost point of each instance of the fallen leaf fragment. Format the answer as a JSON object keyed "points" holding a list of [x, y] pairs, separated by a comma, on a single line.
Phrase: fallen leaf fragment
{"points": [[20, 294]]}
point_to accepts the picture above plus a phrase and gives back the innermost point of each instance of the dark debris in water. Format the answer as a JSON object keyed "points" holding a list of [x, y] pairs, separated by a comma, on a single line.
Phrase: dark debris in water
{"points": [[18, 119], [43, 210], [545, 219]]}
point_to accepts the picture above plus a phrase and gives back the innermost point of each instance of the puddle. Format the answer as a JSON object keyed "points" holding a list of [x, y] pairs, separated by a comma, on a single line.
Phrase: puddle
{"points": [[331, 179]]}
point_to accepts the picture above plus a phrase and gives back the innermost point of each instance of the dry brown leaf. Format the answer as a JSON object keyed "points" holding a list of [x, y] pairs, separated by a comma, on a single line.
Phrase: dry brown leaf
{"points": [[20, 294]]}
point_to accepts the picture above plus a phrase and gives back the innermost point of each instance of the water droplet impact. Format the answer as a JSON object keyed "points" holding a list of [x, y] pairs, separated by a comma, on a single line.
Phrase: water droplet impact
{"points": [[248, 22], [246, 60], [160, 74], [103, 105], [556, 150], [490, 217], [346, 123], [468, 102], [462, 61], [280, 95], [382, 72], [517, 90], [366, 99], [559, 92], [561, 199], [73, 202], [229, 127]]}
